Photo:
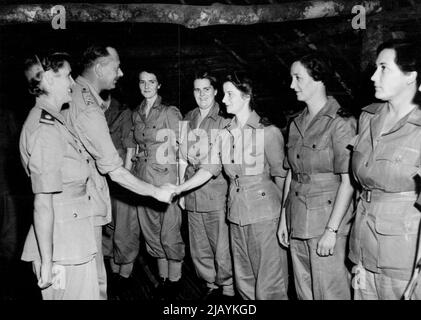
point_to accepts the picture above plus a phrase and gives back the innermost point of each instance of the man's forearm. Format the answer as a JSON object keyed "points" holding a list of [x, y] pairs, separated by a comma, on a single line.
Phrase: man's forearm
{"points": [[124, 178], [128, 161]]}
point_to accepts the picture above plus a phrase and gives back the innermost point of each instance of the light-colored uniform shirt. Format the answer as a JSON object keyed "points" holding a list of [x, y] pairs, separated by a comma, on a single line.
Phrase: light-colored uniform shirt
{"points": [[86, 118], [250, 156], [317, 155], [385, 234], [55, 161]]}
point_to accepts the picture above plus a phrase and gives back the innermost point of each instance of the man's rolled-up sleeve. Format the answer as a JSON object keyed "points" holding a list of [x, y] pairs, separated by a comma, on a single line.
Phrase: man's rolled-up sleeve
{"points": [[93, 131]]}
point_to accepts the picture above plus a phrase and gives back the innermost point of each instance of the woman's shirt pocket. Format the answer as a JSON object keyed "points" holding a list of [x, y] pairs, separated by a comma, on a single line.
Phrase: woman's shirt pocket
{"points": [[73, 234], [397, 227]]}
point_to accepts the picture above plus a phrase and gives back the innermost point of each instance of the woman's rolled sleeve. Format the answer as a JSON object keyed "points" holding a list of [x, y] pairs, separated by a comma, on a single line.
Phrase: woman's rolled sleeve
{"points": [[274, 151], [46, 160], [93, 130], [342, 135]]}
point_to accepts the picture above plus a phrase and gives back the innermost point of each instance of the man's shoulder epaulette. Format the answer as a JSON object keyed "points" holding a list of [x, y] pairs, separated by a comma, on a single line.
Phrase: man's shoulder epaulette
{"points": [[87, 96], [46, 117]]}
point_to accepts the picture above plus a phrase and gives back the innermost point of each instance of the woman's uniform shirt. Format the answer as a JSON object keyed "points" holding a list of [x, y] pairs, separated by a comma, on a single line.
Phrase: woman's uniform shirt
{"points": [[316, 156], [55, 161], [212, 195], [156, 138], [250, 156], [384, 236]]}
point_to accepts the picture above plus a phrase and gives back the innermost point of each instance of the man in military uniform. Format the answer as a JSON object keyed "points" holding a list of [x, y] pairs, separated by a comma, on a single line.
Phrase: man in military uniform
{"points": [[85, 116]]}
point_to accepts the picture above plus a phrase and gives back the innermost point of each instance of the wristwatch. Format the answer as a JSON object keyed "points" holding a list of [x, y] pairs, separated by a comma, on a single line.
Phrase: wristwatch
{"points": [[331, 229]]}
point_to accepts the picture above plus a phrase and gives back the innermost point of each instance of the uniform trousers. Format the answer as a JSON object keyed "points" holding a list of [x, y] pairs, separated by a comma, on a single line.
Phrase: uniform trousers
{"points": [[260, 263], [121, 236], [99, 260], [317, 277], [160, 224], [369, 285], [81, 284], [210, 249]]}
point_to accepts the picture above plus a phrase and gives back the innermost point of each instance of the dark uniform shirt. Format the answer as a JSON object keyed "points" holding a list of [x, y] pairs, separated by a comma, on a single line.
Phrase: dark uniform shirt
{"points": [[156, 138], [196, 147], [120, 123]]}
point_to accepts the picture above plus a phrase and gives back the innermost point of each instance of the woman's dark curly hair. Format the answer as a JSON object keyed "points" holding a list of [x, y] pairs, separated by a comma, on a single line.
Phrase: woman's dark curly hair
{"points": [[318, 67], [208, 76], [243, 83], [35, 67], [407, 58]]}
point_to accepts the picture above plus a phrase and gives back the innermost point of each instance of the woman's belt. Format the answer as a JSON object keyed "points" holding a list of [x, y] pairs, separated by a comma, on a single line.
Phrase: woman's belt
{"points": [[247, 180], [379, 195], [306, 178], [71, 191]]}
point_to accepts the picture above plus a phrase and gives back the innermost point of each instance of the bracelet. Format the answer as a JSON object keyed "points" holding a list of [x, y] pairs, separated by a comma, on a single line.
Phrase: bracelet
{"points": [[331, 229]]}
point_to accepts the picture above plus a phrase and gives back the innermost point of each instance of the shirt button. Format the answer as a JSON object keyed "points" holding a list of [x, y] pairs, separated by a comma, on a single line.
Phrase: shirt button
{"points": [[146, 160], [89, 197], [238, 189], [329, 201], [296, 193], [298, 156], [366, 164], [233, 146], [75, 215], [314, 146], [232, 161], [80, 151], [87, 160], [154, 127], [237, 176], [263, 194]]}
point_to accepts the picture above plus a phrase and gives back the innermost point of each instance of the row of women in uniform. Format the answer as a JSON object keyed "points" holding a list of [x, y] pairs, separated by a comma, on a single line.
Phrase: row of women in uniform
{"points": [[301, 198]]}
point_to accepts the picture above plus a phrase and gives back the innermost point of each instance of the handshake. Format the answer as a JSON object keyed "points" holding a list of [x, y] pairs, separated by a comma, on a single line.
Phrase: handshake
{"points": [[167, 192]]}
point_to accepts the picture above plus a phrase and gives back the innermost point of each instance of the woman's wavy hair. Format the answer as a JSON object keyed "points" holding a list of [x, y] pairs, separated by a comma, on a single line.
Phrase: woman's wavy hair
{"points": [[407, 58], [155, 72], [318, 67], [244, 84], [34, 69]]}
